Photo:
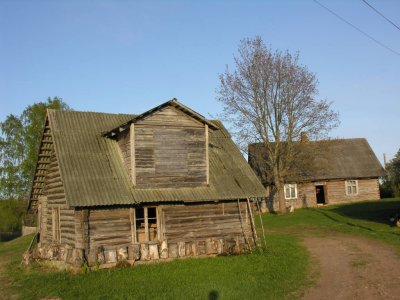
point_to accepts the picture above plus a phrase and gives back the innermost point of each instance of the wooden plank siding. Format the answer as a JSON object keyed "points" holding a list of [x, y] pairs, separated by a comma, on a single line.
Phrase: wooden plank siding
{"points": [[169, 151], [200, 222], [335, 192], [368, 189], [110, 228]]}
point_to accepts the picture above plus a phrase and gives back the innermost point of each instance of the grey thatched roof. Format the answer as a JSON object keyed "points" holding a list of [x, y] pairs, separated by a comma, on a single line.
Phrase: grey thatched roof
{"points": [[94, 174], [338, 159]]}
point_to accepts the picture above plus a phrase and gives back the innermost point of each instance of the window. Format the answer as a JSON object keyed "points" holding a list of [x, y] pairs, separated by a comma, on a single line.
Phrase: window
{"points": [[56, 225], [351, 187], [146, 224], [291, 191]]}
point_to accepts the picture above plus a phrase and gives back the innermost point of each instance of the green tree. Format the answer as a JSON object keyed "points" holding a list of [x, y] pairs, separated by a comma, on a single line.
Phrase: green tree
{"points": [[19, 145], [393, 169]]}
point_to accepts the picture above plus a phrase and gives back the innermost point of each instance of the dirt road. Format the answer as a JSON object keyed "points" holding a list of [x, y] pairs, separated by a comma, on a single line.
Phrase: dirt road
{"points": [[353, 268]]}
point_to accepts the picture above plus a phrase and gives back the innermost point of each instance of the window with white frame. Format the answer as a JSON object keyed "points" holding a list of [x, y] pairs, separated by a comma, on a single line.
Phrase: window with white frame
{"points": [[351, 187], [291, 191]]}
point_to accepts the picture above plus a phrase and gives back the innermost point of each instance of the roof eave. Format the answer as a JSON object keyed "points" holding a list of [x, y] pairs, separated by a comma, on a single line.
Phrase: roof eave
{"points": [[174, 103]]}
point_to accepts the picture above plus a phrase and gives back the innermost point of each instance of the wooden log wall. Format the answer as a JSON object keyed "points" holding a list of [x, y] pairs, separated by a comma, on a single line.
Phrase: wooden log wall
{"points": [[46, 147], [55, 194], [368, 189], [170, 150], [107, 234], [110, 228], [209, 221]]}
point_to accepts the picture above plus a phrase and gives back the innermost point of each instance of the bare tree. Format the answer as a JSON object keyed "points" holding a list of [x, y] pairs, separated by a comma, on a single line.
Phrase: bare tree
{"points": [[271, 99]]}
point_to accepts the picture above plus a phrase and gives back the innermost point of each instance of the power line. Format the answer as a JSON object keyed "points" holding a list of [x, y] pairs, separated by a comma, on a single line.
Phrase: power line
{"points": [[379, 13], [358, 29]]}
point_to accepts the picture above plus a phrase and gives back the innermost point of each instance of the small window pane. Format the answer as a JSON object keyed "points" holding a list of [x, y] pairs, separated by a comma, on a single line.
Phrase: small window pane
{"points": [[152, 218], [140, 224]]}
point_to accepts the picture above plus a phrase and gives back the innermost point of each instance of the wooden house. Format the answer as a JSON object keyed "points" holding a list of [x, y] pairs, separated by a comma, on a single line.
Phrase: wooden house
{"points": [[340, 170], [163, 184]]}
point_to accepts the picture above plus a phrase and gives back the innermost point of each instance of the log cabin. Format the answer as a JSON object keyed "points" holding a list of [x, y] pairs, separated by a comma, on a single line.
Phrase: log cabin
{"points": [[164, 184], [331, 172]]}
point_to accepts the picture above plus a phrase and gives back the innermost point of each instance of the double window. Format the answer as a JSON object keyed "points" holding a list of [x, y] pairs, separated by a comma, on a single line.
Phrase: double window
{"points": [[146, 224], [290, 191], [351, 187]]}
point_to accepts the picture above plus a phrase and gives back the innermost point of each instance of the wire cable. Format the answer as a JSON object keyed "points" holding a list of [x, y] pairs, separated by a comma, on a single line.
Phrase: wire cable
{"points": [[358, 29], [379, 13]]}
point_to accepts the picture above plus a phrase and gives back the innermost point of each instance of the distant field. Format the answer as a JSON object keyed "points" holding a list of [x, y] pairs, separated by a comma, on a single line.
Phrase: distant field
{"points": [[274, 274]]}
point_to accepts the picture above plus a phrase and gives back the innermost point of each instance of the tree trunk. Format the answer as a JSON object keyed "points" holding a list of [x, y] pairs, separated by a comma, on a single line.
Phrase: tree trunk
{"points": [[281, 198]]}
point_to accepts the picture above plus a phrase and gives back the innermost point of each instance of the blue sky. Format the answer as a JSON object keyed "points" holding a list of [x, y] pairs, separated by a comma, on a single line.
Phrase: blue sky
{"points": [[128, 56]]}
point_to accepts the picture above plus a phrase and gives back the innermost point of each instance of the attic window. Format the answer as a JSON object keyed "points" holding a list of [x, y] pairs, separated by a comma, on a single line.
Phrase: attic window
{"points": [[146, 224], [351, 187], [290, 191]]}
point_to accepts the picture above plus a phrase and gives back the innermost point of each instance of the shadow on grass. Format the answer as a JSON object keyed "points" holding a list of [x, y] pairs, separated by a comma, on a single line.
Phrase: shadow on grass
{"points": [[354, 215], [377, 211]]}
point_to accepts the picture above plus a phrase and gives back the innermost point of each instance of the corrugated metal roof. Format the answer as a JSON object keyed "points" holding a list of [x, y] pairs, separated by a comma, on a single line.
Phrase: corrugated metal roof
{"points": [[93, 172]]}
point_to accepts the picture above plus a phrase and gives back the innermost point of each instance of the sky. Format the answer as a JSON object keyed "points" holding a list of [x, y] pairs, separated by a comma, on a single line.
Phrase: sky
{"points": [[129, 56]]}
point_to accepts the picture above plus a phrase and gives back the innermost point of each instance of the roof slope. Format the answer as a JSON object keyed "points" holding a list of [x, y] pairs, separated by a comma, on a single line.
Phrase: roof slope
{"points": [[340, 159], [94, 174]]}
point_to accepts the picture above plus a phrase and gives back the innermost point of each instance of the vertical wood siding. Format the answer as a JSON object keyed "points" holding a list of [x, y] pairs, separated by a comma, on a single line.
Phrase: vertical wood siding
{"points": [[170, 150]]}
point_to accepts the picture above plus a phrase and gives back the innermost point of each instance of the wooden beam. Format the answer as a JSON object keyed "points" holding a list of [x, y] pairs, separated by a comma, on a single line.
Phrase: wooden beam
{"points": [[132, 150], [146, 225], [132, 219], [207, 162]]}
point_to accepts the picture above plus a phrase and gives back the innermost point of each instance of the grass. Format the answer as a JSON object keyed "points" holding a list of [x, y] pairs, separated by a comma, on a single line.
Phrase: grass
{"points": [[275, 274], [369, 219]]}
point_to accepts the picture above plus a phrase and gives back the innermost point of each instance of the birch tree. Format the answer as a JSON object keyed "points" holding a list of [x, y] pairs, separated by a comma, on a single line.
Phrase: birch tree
{"points": [[270, 98], [19, 145]]}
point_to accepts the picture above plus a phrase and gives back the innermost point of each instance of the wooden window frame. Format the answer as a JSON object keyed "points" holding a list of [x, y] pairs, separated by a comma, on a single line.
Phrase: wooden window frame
{"points": [[55, 224], [352, 183], [290, 186], [146, 224]]}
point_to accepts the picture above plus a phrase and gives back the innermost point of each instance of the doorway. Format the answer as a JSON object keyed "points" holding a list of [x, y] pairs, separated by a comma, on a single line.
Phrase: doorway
{"points": [[320, 194]]}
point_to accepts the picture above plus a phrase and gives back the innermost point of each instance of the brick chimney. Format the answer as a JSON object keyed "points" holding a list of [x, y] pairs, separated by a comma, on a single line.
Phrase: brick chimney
{"points": [[303, 137]]}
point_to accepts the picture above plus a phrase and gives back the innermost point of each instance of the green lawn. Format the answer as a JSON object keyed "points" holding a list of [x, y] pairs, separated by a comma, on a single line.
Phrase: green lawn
{"points": [[274, 274], [369, 219]]}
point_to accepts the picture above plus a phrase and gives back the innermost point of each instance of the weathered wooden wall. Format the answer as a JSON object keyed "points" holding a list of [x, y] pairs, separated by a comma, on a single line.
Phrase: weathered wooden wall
{"points": [[200, 222], [335, 192], [109, 228], [184, 230], [169, 150], [125, 147], [368, 189], [55, 194]]}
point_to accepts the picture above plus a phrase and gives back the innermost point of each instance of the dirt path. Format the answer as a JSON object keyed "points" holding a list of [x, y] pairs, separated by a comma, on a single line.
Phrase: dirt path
{"points": [[353, 268]]}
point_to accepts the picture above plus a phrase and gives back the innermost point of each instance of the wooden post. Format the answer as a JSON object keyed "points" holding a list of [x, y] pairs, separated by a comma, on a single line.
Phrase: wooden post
{"points": [[132, 220], [241, 223], [133, 158], [146, 224], [252, 221], [207, 162], [262, 226]]}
